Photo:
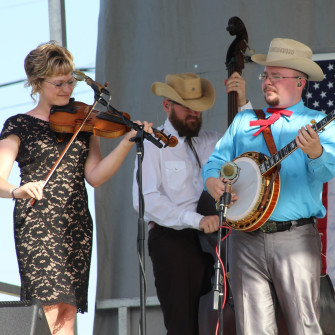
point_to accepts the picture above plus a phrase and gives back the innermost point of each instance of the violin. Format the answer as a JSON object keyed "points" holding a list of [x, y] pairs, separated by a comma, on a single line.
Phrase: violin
{"points": [[107, 124], [78, 116]]}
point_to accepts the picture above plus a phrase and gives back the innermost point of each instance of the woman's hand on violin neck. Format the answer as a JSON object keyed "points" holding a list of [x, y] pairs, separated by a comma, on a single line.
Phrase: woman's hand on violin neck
{"points": [[32, 190], [97, 169], [147, 127]]}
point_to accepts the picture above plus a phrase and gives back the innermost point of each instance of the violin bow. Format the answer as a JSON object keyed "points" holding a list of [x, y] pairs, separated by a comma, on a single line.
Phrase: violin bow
{"points": [[65, 150]]}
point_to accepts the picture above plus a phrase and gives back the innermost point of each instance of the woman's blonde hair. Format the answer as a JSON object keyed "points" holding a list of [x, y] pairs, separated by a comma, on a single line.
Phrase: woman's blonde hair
{"points": [[47, 60]]}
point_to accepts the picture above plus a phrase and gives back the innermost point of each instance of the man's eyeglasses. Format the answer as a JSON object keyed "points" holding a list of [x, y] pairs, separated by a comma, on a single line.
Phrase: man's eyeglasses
{"points": [[275, 78], [70, 83]]}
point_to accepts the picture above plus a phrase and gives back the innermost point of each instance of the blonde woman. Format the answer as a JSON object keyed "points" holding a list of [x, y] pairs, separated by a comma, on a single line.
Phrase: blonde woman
{"points": [[54, 236]]}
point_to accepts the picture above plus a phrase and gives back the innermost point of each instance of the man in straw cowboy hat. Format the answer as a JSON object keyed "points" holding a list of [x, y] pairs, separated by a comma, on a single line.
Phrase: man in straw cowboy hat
{"points": [[280, 261], [172, 185]]}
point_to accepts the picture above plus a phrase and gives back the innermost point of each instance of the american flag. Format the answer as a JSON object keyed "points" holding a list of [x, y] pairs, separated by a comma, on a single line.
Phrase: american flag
{"points": [[321, 96]]}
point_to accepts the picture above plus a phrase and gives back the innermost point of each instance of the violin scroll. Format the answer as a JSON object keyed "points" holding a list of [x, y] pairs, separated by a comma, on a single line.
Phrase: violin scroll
{"points": [[168, 140]]}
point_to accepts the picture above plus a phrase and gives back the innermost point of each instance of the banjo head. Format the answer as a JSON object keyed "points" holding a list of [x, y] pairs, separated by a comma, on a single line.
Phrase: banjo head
{"points": [[250, 188]]}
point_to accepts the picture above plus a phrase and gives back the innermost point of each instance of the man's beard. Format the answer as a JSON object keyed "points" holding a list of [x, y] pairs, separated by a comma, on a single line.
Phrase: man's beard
{"points": [[272, 102], [190, 129]]}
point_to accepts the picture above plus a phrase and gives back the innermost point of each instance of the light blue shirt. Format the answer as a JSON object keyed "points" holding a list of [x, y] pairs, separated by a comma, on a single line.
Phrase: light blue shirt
{"points": [[301, 177]]}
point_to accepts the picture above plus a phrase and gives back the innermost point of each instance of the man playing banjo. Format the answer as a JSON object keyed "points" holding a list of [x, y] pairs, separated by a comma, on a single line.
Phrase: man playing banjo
{"points": [[278, 261]]}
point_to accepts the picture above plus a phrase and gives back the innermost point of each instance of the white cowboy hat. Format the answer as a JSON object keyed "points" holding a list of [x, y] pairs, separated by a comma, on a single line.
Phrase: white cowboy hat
{"points": [[285, 52], [187, 89]]}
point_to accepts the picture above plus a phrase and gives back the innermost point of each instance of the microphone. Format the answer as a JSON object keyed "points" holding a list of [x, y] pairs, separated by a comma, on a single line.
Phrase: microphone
{"points": [[81, 76], [229, 170]]}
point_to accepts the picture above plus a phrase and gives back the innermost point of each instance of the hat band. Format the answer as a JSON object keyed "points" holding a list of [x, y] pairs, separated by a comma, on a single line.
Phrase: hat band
{"points": [[288, 52], [189, 96]]}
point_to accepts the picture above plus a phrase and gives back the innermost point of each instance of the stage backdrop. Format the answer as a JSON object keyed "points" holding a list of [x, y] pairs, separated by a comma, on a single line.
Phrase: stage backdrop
{"points": [[139, 42]]}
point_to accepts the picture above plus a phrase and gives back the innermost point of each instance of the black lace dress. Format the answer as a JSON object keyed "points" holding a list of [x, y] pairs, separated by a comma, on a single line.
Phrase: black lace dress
{"points": [[53, 237]]}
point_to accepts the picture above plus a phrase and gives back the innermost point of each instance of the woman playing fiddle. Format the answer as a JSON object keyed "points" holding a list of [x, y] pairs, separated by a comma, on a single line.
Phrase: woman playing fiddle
{"points": [[53, 236]]}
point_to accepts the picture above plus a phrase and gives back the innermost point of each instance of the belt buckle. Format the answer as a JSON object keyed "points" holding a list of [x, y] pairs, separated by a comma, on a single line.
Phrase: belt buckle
{"points": [[269, 227]]}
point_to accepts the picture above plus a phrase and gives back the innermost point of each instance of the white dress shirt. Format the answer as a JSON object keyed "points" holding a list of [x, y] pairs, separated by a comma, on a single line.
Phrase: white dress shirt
{"points": [[171, 179]]}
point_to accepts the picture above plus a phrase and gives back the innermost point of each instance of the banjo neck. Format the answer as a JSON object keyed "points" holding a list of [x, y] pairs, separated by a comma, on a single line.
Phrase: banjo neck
{"points": [[275, 159]]}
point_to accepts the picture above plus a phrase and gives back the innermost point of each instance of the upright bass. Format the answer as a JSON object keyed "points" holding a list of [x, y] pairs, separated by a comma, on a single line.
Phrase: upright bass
{"points": [[235, 60]]}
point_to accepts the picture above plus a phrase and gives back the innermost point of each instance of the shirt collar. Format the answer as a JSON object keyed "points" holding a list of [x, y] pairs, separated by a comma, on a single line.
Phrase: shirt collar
{"points": [[297, 110]]}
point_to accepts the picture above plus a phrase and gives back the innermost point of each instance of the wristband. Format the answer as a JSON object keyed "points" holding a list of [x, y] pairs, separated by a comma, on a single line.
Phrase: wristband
{"points": [[12, 192]]}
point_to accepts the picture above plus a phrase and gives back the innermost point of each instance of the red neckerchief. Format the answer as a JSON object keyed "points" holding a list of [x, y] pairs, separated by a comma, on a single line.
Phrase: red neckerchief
{"points": [[275, 115]]}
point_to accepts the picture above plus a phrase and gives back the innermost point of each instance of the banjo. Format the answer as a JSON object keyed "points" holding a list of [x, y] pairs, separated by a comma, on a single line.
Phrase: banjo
{"points": [[258, 184]]}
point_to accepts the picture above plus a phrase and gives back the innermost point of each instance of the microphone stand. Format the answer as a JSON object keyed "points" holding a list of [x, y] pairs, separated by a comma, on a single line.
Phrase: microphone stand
{"points": [[224, 202], [99, 90], [138, 139]]}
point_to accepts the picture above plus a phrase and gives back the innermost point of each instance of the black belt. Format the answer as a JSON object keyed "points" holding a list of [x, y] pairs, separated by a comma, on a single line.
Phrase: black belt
{"points": [[277, 226]]}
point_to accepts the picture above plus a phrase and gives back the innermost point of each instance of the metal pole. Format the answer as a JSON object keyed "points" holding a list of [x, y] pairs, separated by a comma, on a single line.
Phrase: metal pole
{"points": [[57, 24]]}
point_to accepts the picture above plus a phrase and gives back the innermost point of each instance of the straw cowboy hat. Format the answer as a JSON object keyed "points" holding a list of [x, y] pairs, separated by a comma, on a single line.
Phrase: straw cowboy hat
{"points": [[292, 54], [187, 89]]}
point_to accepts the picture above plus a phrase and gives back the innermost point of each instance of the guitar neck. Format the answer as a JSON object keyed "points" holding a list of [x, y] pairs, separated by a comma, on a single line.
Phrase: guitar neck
{"points": [[292, 146]]}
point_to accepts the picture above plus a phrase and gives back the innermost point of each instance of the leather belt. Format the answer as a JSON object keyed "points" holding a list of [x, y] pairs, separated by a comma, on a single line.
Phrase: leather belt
{"points": [[278, 226]]}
